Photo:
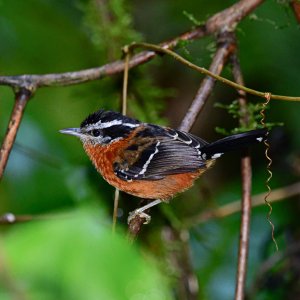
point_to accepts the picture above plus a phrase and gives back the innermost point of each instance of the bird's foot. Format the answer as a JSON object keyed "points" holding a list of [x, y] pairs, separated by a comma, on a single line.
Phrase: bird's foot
{"points": [[139, 213]]}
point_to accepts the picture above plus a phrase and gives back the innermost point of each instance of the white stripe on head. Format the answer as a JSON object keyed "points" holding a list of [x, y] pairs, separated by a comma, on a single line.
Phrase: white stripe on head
{"points": [[100, 125]]}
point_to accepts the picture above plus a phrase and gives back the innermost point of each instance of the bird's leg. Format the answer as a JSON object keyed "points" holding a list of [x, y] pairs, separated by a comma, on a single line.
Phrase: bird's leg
{"points": [[140, 212]]}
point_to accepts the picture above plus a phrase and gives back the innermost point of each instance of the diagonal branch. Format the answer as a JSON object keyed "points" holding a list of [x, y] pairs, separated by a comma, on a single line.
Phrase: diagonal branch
{"points": [[76, 77], [215, 76], [233, 207], [295, 4], [22, 97], [225, 47], [222, 21], [227, 19]]}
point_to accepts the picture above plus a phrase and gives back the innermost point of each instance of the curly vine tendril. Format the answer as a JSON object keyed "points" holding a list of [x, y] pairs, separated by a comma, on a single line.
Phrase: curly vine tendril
{"points": [[267, 183]]}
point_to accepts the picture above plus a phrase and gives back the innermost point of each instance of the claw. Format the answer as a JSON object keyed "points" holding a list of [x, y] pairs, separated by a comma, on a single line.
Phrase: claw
{"points": [[140, 214]]}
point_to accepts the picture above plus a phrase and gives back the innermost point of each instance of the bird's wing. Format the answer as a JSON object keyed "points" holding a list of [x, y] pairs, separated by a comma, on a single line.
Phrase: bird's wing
{"points": [[158, 152]]}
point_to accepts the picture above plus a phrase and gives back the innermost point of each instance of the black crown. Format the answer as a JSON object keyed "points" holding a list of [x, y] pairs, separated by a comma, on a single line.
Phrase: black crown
{"points": [[106, 116]]}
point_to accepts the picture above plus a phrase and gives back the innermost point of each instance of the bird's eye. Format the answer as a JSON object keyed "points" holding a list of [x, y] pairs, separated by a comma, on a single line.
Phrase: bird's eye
{"points": [[95, 132]]}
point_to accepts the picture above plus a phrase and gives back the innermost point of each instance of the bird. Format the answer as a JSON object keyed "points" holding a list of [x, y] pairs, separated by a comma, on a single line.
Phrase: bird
{"points": [[150, 161]]}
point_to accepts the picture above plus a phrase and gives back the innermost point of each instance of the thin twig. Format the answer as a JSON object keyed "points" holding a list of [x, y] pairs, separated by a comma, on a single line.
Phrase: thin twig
{"points": [[135, 224], [296, 8], [231, 208], [246, 172], [125, 80], [10, 218], [115, 211], [244, 228], [124, 111], [228, 19], [76, 77], [207, 72], [22, 97], [224, 211]]}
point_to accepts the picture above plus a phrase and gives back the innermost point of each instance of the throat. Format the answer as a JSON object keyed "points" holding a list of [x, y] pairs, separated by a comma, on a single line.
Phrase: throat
{"points": [[95, 152], [101, 157]]}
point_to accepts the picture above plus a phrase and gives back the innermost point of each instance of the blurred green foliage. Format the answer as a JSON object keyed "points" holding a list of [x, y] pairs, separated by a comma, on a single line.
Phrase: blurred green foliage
{"points": [[73, 255]]}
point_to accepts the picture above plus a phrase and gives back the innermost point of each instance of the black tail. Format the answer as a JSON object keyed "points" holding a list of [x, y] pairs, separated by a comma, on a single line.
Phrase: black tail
{"points": [[233, 142]]}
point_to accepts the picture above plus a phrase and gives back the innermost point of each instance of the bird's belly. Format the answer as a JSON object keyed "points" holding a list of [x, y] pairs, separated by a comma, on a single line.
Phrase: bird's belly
{"points": [[162, 189]]}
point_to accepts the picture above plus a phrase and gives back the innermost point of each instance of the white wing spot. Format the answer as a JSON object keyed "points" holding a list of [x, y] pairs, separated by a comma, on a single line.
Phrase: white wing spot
{"points": [[175, 136], [100, 125], [259, 139], [216, 155]]}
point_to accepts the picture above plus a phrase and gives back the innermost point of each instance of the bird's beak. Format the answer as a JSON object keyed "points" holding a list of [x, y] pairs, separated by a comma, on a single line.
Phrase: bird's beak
{"points": [[72, 131]]}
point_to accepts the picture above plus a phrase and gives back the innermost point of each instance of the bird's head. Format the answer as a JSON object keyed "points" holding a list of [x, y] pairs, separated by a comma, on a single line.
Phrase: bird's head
{"points": [[103, 127]]}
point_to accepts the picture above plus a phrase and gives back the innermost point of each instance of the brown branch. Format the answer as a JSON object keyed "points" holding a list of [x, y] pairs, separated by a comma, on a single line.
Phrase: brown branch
{"points": [[124, 112], [70, 78], [244, 227], [235, 206], [295, 4], [10, 218], [227, 19], [22, 97], [202, 70], [134, 227], [222, 21], [226, 210], [246, 172]]}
